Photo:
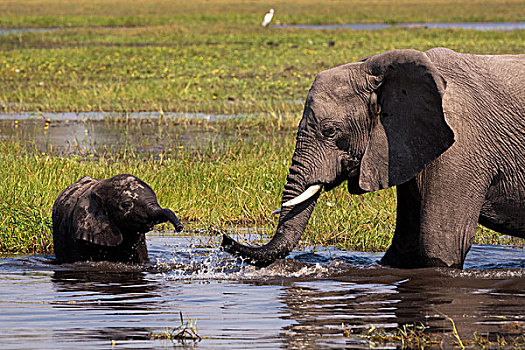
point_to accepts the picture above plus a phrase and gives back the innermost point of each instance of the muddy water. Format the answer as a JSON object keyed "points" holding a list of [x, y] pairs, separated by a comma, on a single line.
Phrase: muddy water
{"points": [[300, 302]]}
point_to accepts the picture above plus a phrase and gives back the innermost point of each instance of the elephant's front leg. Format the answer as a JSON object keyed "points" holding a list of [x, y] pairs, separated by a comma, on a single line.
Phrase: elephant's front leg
{"points": [[404, 252], [450, 209]]}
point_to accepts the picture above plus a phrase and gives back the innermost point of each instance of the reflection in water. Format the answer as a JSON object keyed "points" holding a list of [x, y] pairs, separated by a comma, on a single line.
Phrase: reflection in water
{"points": [[320, 308], [366, 26], [298, 303], [428, 297], [101, 116], [96, 284], [15, 31], [107, 299]]}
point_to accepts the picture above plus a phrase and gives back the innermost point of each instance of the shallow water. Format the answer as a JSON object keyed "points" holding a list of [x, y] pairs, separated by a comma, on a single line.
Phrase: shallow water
{"points": [[14, 31], [465, 25], [365, 26], [99, 116], [300, 302], [88, 133]]}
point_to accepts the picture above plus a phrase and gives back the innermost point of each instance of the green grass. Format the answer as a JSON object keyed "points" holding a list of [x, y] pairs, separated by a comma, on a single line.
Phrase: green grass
{"points": [[203, 63], [419, 336], [25, 229]]}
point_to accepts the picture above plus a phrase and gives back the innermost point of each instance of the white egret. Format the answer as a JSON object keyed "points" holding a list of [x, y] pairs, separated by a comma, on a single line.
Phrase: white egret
{"points": [[267, 18]]}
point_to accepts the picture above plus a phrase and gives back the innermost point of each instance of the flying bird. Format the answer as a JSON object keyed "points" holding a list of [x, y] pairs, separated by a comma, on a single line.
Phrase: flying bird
{"points": [[267, 18]]}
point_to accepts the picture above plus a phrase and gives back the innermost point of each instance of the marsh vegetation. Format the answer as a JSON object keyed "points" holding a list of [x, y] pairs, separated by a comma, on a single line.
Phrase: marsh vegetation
{"points": [[193, 56], [212, 185], [196, 56]]}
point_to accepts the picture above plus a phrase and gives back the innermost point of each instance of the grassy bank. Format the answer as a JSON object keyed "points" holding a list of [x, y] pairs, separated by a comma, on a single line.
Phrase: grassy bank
{"points": [[219, 185], [202, 56], [234, 184], [198, 68]]}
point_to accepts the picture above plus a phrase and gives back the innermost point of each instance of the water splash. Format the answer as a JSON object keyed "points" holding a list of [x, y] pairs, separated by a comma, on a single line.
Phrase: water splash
{"points": [[218, 265]]}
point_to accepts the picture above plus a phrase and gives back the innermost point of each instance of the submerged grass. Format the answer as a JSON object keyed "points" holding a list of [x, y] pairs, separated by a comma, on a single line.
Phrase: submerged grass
{"points": [[214, 185], [186, 331], [419, 336]]}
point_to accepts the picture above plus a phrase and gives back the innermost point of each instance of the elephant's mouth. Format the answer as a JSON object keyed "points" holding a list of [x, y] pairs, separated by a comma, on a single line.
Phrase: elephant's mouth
{"points": [[142, 226], [351, 171], [150, 225], [353, 186], [303, 197], [331, 185]]}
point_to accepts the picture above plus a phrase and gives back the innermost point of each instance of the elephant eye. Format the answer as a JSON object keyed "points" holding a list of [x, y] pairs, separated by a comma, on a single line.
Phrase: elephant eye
{"points": [[127, 205], [328, 131]]}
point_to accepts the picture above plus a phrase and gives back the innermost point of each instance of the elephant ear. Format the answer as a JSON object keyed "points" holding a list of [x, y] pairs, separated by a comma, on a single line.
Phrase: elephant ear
{"points": [[409, 129], [91, 222]]}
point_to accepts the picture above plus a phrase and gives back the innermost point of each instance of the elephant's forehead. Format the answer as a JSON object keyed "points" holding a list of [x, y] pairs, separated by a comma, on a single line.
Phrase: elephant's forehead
{"points": [[135, 185], [329, 103], [340, 78], [326, 86], [130, 194], [130, 186]]}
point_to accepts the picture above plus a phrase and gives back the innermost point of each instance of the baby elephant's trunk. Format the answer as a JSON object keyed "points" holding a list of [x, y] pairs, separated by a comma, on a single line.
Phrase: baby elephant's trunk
{"points": [[164, 214], [173, 219]]}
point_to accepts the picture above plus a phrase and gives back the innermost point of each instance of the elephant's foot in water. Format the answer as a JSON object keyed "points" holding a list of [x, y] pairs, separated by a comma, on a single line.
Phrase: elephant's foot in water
{"points": [[414, 259], [402, 259]]}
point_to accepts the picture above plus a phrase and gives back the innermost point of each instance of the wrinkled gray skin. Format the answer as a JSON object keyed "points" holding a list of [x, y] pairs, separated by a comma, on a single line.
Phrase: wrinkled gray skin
{"points": [[106, 220], [447, 128]]}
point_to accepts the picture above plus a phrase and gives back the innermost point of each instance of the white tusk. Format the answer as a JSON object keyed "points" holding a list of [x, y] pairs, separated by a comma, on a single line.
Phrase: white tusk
{"points": [[303, 196], [300, 198]]}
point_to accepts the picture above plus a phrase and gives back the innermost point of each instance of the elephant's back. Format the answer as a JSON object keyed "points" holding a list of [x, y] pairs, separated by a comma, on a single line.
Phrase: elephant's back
{"points": [[68, 197], [493, 74]]}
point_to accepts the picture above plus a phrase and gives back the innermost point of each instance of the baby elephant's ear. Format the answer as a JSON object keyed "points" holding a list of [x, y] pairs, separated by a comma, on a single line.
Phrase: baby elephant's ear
{"points": [[90, 222]]}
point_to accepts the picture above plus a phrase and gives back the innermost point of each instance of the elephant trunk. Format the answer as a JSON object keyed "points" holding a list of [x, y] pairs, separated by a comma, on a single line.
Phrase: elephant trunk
{"points": [[173, 219], [161, 215], [292, 223]]}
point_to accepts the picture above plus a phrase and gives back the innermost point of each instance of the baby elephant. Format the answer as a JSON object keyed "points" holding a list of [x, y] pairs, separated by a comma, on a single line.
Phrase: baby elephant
{"points": [[106, 220]]}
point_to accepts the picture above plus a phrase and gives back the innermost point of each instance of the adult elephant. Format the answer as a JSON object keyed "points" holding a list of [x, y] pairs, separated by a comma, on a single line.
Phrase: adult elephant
{"points": [[106, 220], [447, 128]]}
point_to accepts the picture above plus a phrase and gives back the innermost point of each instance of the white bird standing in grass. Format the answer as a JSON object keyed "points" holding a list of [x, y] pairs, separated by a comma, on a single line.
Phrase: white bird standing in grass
{"points": [[267, 18]]}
